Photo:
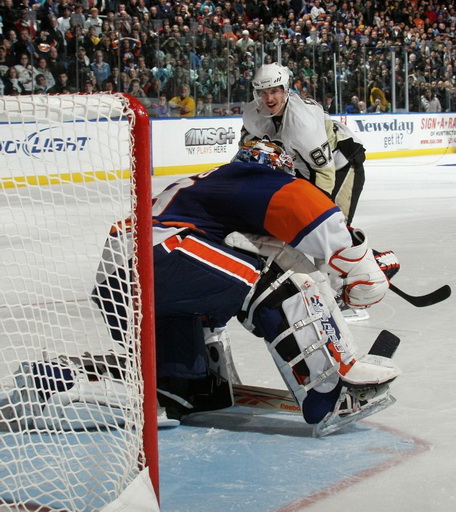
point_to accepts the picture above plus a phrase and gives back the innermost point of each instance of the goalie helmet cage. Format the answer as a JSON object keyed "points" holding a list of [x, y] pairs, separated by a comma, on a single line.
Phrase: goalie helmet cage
{"points": [[78, 413]]}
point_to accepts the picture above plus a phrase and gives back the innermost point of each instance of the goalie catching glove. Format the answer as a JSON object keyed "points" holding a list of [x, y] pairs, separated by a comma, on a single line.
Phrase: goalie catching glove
{"points": [[365, 283]]}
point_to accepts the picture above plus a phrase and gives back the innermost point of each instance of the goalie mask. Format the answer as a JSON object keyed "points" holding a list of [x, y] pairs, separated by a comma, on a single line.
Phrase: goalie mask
{"points": [[267, 153]]}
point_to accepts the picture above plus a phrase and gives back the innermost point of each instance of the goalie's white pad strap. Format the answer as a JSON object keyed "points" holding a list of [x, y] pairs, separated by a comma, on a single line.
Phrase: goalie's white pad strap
{"points": [[321, 378], [176, 398], [297, 326], [255, 244]]}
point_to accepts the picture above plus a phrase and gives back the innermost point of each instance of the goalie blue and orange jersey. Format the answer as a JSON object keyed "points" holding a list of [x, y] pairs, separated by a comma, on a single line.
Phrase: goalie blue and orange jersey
{"points": [[252, 198]]}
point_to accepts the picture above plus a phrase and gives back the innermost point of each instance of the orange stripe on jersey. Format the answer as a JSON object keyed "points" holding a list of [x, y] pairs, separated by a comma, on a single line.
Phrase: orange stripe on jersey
{"points": [[343, 368], [294, 207], [172, 242], [216, 258]]}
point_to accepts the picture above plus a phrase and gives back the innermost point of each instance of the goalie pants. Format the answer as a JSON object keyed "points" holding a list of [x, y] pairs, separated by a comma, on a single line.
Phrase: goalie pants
{"points": [[195, 279]]}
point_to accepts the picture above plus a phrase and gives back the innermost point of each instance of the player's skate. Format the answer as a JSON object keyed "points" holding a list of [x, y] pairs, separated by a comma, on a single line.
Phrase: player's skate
{"points": [[354, 404], [359, 401], [352, 314]]}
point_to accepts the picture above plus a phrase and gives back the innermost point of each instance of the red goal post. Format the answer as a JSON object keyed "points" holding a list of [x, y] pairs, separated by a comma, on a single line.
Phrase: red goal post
{"points": [[78, 411]]}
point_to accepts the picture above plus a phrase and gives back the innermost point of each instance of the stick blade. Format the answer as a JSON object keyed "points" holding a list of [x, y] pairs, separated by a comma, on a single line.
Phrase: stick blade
{"points": [[422, 301], [434, 297], [385, 345]]}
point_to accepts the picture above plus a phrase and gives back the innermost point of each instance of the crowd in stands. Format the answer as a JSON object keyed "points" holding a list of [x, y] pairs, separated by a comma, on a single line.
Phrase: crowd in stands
{"points": [[188, 57]]}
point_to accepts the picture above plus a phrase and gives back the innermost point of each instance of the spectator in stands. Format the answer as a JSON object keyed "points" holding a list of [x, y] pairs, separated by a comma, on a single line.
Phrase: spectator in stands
{"points": [[54, 36], [94, 21], [11, 82], [62, 85], [430, 102], [64, 21], [208, 107], [9, 15], [125, 80], [245, 42], [100, 68], [146, 84], [173, 84], [43, 70], [56, 65], [376, 108], [199, 108], [350, 30], [182, 105], [91, 42], [22, 43], [25, 73], [25, 23], [89, 87], [109, 85], [6, 61], [443, 93], [329, 104], [40, 83], [77, 18], [161, 108], [136, 91], [79, 68], [47, 8], [247, 66], [353, 107], [362, 107]]}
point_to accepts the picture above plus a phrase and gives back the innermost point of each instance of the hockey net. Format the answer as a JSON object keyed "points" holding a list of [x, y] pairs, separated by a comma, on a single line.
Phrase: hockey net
{"points": [[75, 428]]}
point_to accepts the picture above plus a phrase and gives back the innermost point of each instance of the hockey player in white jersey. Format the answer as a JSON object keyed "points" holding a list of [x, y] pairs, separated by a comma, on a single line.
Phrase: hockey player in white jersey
{"points": [[324, 151]]}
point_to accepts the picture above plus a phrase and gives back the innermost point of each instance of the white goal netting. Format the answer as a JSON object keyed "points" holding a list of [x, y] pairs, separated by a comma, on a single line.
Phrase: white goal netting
{"points": [[71, 419]]}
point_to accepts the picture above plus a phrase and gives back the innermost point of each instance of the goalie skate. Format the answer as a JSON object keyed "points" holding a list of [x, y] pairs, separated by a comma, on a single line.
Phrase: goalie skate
{"points": [[354, 404], [352, 315]]}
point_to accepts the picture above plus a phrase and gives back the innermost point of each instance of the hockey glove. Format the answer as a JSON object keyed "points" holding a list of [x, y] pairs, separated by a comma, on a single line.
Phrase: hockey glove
{"points": [[388, 262], [364, 283]]}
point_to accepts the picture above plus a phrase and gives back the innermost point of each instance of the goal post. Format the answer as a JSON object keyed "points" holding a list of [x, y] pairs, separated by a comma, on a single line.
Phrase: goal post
{"points": [[78, 411]]}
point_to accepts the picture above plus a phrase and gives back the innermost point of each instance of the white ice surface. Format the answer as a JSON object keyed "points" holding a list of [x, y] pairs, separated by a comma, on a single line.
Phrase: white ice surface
{"points": [[409, 206]]}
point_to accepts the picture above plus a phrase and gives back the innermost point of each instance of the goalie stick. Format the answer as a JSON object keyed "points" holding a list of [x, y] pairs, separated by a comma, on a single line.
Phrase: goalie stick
{"points": [[280, 400]]}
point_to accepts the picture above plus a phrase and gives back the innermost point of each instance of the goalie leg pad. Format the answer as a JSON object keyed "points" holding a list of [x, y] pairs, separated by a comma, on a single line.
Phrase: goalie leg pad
{"points": [[295, 316], [220, 358]]}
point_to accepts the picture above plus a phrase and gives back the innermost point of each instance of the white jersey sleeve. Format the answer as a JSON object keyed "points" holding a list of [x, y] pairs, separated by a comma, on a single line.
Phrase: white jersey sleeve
{"points": [[345, 144]]}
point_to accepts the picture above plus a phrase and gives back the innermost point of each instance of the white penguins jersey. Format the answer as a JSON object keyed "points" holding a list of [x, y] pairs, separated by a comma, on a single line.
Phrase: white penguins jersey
{"points": [[303, 133]]}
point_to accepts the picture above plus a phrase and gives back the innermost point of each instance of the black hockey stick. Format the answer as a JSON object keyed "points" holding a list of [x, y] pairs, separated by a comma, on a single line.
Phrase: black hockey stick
{"points": [[421, 301]]}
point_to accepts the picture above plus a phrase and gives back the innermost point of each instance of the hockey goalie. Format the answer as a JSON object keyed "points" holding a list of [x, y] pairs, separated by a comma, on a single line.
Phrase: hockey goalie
{"points": [[237, 241]]}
